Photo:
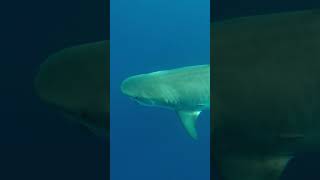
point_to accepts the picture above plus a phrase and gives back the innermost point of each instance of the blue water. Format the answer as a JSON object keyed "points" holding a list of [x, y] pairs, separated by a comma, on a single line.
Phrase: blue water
{"points": [[147, 142]]}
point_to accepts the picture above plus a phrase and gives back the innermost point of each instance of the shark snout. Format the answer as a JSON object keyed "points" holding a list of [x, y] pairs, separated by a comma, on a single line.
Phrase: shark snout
{"points": [[124, 87], [132, 86], [129, 87]]}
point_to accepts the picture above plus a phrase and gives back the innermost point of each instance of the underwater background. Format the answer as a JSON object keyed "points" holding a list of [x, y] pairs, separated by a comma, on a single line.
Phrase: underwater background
{"points": [[149, 142]]}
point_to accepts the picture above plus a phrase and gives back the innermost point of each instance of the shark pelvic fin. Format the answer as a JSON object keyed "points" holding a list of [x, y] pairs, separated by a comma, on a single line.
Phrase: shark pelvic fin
{"points": [[188, 119]]}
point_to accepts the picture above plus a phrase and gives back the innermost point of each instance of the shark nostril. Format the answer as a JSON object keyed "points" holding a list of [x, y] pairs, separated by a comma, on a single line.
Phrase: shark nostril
{"points": [[136, 99]]}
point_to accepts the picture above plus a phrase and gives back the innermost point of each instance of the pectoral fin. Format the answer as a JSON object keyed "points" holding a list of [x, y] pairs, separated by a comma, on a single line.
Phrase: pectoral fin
{"points": [[188, 119]]}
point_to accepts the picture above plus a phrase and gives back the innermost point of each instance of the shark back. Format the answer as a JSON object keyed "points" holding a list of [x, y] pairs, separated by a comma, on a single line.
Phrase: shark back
{"points": [[186, 88]]}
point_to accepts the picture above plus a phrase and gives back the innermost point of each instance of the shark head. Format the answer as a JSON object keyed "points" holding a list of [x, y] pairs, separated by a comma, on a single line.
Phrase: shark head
{"points": [[141, 89], [74, 81]]}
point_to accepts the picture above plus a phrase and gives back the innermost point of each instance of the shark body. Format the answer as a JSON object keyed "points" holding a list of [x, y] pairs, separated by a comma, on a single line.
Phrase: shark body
{"points": [[186, 90], [266, 82]]}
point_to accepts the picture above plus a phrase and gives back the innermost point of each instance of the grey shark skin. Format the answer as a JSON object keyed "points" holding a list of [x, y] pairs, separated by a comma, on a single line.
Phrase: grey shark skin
{"points": [[266, 95], [75, 80], [185, 90]]}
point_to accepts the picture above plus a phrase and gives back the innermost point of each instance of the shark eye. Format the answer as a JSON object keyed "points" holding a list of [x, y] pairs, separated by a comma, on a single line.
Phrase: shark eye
{"points": [[136, 98]]}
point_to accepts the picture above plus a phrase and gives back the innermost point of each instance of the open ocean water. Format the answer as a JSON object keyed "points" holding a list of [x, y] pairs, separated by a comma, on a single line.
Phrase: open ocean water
{"points": [[149, 142]]}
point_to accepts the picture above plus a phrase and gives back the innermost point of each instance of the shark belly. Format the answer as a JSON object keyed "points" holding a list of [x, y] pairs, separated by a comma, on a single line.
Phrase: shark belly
{"points": [[194, 95]]}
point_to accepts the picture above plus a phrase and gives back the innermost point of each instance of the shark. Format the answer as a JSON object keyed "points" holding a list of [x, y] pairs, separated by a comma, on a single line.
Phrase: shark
{"points": [[264, 90], [264, 93], [75, 80], [186, 90], [266, 84]]}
